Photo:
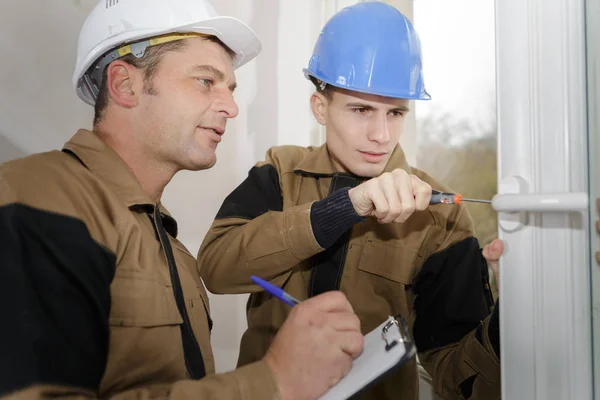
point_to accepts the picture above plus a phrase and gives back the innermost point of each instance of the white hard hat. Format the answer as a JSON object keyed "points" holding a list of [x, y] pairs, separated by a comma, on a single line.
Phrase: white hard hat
{"points": [[113, 23]]}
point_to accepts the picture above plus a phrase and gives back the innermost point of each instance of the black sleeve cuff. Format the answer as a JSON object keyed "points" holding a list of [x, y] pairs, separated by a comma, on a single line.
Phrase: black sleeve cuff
{"points": [[333, 216], [494, 329]]}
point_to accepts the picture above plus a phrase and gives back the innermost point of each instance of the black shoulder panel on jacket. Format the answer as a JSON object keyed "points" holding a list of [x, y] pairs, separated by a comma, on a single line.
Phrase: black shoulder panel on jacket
{"points": [[54, 301], [258, 194], [451, 297]]}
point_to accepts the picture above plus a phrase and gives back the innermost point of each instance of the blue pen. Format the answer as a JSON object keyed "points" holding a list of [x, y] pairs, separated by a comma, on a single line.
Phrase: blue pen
{"points": [[275, 291]]}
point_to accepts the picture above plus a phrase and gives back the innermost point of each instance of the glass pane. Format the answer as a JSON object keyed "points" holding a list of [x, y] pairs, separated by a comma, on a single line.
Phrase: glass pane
{"points": [[456, 130]]}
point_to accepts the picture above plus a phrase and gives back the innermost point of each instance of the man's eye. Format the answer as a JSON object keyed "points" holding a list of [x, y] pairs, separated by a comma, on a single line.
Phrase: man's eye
{"points": [[205, 82], [360, 110]]}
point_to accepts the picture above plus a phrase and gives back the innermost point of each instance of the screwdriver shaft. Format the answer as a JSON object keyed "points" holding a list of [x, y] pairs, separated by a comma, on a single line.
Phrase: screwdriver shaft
{"points": [[477, 200]]}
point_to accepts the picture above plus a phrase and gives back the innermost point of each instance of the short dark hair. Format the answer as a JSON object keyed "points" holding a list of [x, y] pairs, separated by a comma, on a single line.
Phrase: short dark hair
{"points": [[321, 87], [149, 63]]}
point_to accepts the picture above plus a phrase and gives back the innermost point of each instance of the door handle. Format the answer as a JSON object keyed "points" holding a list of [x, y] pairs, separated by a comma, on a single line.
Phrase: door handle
{"points": [[513, 202], [537, 202]]}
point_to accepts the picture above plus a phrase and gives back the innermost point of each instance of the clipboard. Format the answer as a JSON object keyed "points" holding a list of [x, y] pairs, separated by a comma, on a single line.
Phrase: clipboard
{"points": [[386, 347]]}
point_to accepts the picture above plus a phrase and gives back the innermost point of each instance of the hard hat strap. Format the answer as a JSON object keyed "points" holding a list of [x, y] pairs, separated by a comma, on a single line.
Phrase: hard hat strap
{"points": [[93, 77]]}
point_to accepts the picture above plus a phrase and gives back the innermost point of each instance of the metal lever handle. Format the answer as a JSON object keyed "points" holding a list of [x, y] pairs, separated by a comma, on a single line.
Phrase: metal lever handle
{"points": [[537, 202], [514, 201]]}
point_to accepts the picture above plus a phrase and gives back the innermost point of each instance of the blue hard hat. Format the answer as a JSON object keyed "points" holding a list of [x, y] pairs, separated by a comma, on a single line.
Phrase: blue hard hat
{"points": [[370, 47]]}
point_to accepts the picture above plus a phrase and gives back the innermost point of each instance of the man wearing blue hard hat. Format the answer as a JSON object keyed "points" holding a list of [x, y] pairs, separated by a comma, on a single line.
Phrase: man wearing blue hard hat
{"points": [[353, 215]]}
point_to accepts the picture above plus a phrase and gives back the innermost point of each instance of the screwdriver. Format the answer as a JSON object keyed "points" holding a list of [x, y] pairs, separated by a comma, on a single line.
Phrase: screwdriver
{"points": [[438, 197]]}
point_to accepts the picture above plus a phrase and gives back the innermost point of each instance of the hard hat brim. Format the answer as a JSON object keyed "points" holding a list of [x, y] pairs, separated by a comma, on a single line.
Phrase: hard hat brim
{"points": [[239, 37], [378, 92]]}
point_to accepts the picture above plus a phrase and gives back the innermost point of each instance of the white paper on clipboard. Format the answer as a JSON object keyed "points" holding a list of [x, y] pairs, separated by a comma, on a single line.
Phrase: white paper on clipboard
{"points": [[386, 347]]}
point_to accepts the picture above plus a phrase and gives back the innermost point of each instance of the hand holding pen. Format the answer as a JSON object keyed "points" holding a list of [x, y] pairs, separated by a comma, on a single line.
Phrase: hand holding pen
{"points": [[315, 346]]}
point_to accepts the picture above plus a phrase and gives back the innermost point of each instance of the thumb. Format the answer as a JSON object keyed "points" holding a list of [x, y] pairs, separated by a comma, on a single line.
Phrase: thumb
{"points": [[494, 250]]}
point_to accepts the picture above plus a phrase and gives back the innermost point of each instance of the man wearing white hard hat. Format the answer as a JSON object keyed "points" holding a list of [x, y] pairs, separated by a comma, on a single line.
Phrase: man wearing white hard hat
{"points": [[353, 215], [99, 298]]}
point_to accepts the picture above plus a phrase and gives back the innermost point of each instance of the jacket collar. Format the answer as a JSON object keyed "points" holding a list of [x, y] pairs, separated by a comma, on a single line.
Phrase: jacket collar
{"points": [[105, 163], [319, 162]]}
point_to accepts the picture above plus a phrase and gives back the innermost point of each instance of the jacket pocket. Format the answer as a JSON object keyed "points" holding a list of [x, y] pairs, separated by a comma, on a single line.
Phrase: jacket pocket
{"points": [[139, 300], [395, 262]]}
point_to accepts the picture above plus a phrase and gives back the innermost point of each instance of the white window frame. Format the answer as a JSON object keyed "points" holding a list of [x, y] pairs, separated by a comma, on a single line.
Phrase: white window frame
{"points": [[544, 284], [593, 64]]}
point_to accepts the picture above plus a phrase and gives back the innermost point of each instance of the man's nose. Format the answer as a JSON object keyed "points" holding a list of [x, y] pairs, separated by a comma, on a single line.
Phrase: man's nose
{"points": [[226, 104], [380, 132]]}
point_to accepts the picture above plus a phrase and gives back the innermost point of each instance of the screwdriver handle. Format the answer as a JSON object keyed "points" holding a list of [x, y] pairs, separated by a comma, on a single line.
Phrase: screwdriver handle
{"points": [[438, 197]]}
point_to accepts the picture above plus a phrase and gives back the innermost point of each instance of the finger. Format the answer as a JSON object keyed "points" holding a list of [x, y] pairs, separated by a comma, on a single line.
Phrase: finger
{"points": [[380, 204], [492, 253], [497, 246], [486, 252], [405, 192], [388, 188], [331, 301], [494, 250], [422, 192], [344, 365], [351, 343], [496, 271]]}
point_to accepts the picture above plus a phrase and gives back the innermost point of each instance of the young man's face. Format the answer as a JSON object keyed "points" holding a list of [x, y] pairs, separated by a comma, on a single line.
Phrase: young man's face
{"points": [[361, 129], [186, 113]]}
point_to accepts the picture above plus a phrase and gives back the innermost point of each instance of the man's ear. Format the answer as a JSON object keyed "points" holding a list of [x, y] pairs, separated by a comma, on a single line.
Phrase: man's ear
{"points": [[318, 106], [125, 83]]}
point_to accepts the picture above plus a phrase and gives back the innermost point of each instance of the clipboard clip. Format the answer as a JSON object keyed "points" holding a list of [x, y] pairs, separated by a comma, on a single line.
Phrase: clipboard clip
{"points": [[402, 328], [388, 346]]}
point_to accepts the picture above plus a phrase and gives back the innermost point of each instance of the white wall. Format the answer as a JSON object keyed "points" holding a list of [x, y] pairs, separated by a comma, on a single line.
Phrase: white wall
{"points": [[38, 109], [8, 150]]}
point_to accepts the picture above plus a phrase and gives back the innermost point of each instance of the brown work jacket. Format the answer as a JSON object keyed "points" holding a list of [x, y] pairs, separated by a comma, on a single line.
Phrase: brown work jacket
{"points": [[99, 299]]}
